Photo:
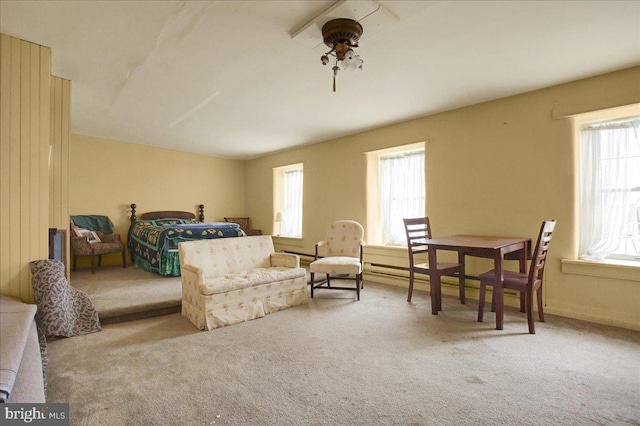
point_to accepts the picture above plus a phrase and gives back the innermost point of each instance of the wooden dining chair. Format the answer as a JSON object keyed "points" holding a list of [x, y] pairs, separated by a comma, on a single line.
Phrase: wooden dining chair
{"points": [[418, 230], [522, 282]]}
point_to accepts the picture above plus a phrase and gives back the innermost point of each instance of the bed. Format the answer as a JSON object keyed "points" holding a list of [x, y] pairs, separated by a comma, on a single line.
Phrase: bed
{"points": [[153, 238]]}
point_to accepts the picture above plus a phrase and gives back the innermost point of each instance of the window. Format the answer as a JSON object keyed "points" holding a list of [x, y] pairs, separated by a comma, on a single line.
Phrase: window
{"points": [[396, 191], [288, 200], [610, 190]]}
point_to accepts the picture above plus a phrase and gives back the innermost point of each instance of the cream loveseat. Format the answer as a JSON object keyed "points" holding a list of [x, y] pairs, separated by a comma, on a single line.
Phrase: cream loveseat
{"points": [[230, 280]]}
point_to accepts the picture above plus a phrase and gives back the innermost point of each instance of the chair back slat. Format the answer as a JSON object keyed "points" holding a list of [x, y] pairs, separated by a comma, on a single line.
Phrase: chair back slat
{"points": [[417, 230], [539, 258]]}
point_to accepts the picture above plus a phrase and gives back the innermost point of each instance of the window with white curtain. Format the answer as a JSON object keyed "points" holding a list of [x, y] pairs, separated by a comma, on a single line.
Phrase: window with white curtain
{"points": [[401, 192], [288, 200], [610, 190]]}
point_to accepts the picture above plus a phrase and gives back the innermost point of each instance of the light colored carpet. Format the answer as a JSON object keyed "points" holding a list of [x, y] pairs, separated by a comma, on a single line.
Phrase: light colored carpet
{"points": [[128, 293], [380, 361]]}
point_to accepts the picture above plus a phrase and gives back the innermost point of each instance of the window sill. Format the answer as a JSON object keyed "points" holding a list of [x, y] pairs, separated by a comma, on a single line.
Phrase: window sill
{"points": [[385, 247], [616, 269], [288, 240]]}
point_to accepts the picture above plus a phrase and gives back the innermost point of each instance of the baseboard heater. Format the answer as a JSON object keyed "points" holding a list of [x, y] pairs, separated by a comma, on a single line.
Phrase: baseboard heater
{"points": [[397, 271], [392, 271], [374, 268], [304, 257]]}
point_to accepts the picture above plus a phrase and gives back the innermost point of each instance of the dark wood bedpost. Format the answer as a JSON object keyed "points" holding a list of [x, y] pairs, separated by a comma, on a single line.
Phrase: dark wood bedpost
{"points": [[133, 213], [201, 209]]}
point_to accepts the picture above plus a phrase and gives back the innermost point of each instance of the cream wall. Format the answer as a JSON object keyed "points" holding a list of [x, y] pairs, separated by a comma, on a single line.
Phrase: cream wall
{"points": [[106, 176], [497, 168]]}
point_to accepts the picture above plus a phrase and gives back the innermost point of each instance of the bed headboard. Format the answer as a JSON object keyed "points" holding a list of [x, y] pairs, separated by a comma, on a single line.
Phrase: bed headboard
{"points": [[167, 213]]}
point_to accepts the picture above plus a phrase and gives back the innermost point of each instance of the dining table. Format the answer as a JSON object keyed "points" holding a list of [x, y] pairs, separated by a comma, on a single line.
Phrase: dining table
{"points": [[497, 248]]}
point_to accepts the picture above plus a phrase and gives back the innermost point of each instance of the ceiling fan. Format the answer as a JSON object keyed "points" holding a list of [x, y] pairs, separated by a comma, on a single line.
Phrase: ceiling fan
{"points": [[342, 36]]}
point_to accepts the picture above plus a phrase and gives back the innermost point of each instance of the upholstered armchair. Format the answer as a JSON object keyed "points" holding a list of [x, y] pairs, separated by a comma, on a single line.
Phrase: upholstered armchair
{"points": [[343, 259], [244, 225], [90, 242]]}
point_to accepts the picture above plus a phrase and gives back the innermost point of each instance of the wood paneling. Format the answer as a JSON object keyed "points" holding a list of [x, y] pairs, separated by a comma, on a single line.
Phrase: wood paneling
{"points": [[59, 155], [25, 70], [5, 151]]}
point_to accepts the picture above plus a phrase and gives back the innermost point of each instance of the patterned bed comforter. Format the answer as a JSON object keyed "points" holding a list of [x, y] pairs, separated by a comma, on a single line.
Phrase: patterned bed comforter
{"points": [[154, 243]]}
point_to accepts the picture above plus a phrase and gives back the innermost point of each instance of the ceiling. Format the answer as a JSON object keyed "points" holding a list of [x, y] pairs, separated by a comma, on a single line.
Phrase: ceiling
{"points": [[241, 79]]}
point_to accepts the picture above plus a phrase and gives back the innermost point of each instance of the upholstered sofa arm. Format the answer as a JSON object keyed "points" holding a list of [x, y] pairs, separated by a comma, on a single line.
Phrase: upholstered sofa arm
{"points": [[192, 279], [319, 244], [285, 260], [80, 245], [191, 268], [17, 320], [109, 238]]}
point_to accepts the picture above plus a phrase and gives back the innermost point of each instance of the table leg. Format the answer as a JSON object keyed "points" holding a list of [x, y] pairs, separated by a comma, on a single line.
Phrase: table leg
{"points": [[498, 291], [461, 281], [434, 283], [523, 254]]}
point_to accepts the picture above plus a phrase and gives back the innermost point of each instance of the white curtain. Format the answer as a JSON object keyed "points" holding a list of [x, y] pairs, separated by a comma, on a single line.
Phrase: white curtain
{"points": [[608, 178], [401, 180], [291, 225]]}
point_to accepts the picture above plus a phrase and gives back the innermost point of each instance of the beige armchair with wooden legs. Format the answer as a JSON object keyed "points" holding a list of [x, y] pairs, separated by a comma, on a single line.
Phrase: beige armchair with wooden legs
{"points": [[343, 260]]}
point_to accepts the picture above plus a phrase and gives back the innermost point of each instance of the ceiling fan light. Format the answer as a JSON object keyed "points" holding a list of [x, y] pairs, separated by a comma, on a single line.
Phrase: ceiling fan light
{"points": [[349, 54], [352, 61]]}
